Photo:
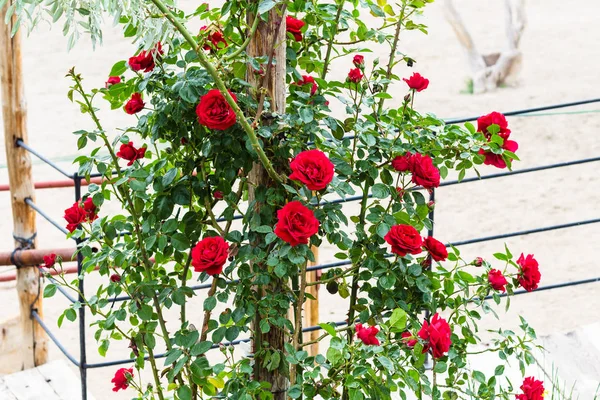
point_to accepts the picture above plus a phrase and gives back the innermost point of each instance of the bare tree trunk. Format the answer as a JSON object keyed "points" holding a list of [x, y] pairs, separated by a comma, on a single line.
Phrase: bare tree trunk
{"points": [[269, 41]]}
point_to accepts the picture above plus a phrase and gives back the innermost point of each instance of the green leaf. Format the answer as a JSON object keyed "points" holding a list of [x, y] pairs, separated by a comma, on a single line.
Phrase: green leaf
{"points": [[329, 329], [169, 177], [118, 69], [440, 367], [201, 348], [103, 348], [380, 191], [49, 290], [210, 303], [180, 242], [264, 229], [184, 393], [479, 377], [499, 370], [398, 319], [265, 5]]}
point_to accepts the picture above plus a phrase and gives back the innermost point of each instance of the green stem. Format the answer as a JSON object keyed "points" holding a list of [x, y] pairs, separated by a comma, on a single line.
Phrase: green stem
{"points": [[244, 45], [331, 40], [155, 373], [390, 65], [205, 62]]}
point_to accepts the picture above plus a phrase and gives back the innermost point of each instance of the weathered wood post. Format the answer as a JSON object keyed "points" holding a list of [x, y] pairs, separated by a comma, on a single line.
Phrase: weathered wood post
{"points": [[34, 340], [311, 307], [270, 41]]}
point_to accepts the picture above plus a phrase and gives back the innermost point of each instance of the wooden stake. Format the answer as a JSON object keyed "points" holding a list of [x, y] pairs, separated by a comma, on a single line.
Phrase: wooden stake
{"points": [[269, 42], [34, 341]]}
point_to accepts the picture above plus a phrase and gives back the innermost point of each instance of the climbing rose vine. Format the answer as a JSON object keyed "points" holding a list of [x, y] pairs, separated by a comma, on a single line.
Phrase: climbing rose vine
{"points": [[229, 177]]}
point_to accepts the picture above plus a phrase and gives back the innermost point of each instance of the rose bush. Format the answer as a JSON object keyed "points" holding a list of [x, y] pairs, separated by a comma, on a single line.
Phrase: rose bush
{"points": [[239, 165]]}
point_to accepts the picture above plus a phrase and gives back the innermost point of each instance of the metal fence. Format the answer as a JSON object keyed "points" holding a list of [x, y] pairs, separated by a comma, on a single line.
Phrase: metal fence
{"points": [[82, 363]]}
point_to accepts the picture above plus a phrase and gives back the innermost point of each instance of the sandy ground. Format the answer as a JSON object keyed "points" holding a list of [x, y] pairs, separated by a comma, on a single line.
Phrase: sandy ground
{"points": [[560, 65]]}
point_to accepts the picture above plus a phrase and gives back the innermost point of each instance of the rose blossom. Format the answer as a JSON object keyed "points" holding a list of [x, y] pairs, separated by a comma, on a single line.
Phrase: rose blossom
{"points": [[294, 26], [307, 80], [91, 211], [214, 112], [121, 379], [49, 260], [436, 334], [210, 254], [530, 276], [296, 223], [496, 159], [112, 80], [313, 168], [409, 339], [532, 389], [497, 280], [417, 82], [135, 104], [493, 118], [75, 216], [130, 153], [402, 163], [436, 249], [424, 173], [358, 61], [145, 60], [216, 39], [404, 239], [355, 75], [367, 335], [115, 278]]}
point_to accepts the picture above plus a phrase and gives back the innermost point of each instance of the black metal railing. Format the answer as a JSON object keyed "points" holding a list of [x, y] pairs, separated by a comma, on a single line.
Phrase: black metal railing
{"points": [[82, 363]]}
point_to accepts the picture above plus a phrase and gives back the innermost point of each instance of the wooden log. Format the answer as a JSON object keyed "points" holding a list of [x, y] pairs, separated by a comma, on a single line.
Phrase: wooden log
{"points": [[34, 347], [268, 41]]}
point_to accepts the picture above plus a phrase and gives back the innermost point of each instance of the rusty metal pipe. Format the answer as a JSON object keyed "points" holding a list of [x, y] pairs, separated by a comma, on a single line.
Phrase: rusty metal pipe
{"points": [[56, 184], [35, 256]]}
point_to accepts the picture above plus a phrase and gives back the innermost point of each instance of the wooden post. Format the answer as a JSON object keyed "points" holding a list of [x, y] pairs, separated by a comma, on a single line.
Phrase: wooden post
{"points": [[269, 41], [311, 308], [34, 341]]}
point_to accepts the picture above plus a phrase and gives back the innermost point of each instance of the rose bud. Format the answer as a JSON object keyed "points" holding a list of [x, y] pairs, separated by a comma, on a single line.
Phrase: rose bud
{"points": [[115, 278], [478, 262], [332, 287], [431, 205], [217, 194]]}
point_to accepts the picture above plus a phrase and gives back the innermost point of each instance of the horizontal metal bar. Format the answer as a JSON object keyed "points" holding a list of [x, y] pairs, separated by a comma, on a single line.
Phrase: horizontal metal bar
{"points": [[550, 287], [525, 232], [22, 144], [31, 204], [39, 320], [521, 171], [527, 110]]}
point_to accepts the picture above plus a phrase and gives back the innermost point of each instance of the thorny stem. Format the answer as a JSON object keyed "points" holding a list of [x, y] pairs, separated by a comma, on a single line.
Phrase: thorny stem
{"points": [[390, 65], [298, 319], [332, 39], [211, 293], [221, 86], [246, 42], [131, 209]]}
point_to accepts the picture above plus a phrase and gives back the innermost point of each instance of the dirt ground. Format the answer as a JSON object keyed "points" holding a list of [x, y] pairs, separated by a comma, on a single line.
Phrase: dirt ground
{"points": [[560, 64]]}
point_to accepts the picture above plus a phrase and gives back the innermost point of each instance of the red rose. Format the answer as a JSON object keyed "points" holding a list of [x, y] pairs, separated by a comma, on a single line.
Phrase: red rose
{"points": [[417, 82], [121, 379], [530, 276], [75, 216], [130, 153], [49, 260], [532, 389], [216, 39], [296, 223], [409, 339], [112, 80], [307, 80], [367, 335], [402, 163], [494, 118], [91, 211], [313, 168], [436, 335], [404, 239], [424, 173], [214, 112], [145, 60], [355, 75], [436, 249], [358, 61], [135, 104], [294, 26], [496, 159], [217, 194], [115, 278], [497, 280], [210, 254]]}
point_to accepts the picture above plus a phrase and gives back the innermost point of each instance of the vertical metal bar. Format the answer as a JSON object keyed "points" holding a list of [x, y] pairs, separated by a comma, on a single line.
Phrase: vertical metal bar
{"points": [[82, 345]]}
